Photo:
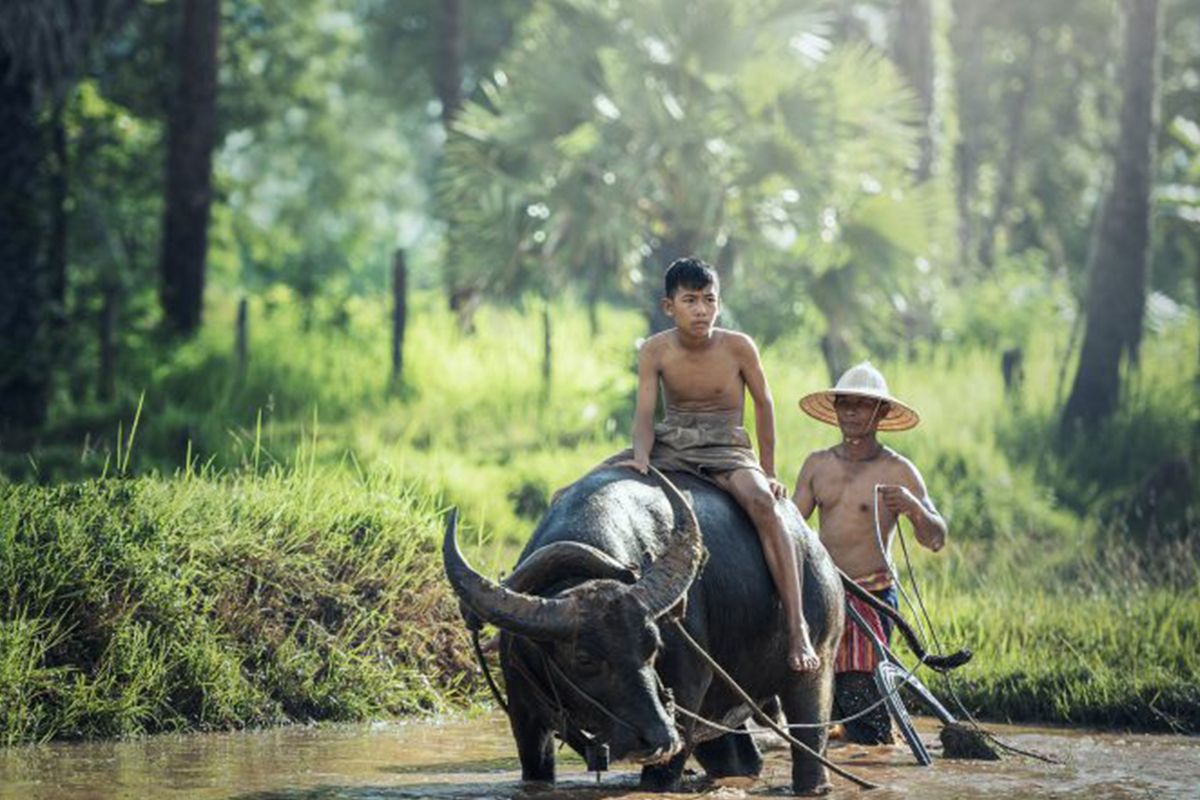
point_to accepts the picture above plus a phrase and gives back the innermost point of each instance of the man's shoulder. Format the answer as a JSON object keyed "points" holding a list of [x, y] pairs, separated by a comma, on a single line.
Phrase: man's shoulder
{"points": [[900, 464]]}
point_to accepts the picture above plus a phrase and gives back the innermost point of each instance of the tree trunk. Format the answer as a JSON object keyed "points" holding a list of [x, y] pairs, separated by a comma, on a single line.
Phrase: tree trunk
{"points": [[449, 68], [24, 297], [447, 82], [1017, 115], [967, 40], [106, 381], [56, 249], [399, 316], [1119, 261], [914, 56], [191, 137]]}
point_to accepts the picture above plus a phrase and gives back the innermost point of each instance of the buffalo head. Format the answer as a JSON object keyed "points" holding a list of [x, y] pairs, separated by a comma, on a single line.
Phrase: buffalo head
{"points": [[586, 624]]}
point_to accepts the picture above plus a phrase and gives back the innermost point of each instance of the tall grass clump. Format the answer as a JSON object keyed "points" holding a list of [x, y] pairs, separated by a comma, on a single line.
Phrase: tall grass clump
{"points": [[1102, 645], [205, 602]]}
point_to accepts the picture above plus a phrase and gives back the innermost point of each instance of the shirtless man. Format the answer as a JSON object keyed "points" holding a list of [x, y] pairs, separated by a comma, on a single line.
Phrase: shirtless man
{"points": [[841, 481], [705, 372]]}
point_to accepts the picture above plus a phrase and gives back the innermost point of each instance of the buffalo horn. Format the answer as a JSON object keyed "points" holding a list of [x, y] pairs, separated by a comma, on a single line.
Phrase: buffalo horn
{"points": [[668, 578], [528, 615], [560, 560]]}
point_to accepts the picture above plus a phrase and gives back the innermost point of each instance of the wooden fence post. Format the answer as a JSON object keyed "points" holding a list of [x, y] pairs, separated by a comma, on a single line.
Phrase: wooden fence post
{"points": [[241, 339], [399, 316]]}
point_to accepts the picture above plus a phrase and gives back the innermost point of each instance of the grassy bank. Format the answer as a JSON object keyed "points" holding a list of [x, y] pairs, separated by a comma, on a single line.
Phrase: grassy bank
{"points": [[290, 573], [142, 605]]}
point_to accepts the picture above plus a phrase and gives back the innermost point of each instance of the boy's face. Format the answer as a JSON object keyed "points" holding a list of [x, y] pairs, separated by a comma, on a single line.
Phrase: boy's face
{"points": [[694, 310], [858, 416]]}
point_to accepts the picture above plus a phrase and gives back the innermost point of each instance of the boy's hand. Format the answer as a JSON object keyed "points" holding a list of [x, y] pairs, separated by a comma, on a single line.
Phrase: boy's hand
{"points": [[633, 463], [777, 488], [899, 500]]}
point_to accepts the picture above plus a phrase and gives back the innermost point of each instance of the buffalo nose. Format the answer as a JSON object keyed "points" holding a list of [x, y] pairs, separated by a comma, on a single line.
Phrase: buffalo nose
{"points": [[658, 747]]}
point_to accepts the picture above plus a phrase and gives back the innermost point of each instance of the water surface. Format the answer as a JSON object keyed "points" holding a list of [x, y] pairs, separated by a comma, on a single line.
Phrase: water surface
{"points": [[475, 758]]}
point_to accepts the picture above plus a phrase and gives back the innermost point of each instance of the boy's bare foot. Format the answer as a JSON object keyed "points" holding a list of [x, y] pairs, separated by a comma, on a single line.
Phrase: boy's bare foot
{"points": [[803, 658]]}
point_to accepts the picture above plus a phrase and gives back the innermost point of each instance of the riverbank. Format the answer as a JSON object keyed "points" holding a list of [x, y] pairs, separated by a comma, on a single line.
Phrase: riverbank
{"points": [[134, 606], [141, 605]]}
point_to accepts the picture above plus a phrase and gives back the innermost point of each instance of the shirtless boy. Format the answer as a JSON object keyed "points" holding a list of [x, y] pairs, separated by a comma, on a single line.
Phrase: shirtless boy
{"points": [[841, 481], [705, 372]]}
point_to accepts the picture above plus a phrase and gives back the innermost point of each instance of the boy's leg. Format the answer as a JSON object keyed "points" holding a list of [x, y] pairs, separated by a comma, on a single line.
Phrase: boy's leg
{"points": [[752, 492]]}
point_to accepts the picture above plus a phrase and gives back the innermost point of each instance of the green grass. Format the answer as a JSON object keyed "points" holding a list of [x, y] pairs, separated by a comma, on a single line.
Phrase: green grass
{"points": [[202, 601], [291, 573]]}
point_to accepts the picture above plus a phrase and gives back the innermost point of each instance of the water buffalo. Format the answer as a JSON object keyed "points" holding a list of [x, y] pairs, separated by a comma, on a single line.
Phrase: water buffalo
{"points": [[583, 651]]}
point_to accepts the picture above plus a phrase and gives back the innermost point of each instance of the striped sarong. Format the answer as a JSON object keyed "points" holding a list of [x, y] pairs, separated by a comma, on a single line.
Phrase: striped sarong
{"points": [[857, 652]]}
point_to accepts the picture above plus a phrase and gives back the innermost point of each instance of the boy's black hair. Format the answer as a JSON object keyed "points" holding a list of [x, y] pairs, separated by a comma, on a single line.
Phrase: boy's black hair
{"points": [[689, 273]]}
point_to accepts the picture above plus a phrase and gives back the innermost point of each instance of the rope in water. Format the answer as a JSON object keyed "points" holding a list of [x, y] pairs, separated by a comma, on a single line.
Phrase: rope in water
{"points": [[762, 717], [950, 685]]}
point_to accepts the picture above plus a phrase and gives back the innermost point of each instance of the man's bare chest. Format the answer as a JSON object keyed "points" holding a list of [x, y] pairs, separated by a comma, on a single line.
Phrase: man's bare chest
{"points": [[847, 490]]}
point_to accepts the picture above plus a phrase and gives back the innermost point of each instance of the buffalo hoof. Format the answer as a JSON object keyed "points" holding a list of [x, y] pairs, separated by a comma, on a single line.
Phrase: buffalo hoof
{"points": [[813, 791], [662, 777]]}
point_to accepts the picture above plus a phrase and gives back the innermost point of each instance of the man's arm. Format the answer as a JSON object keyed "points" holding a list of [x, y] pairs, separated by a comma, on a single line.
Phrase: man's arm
{"points": [[803, 496], [764, 410], [643, 416], [911, 499]]}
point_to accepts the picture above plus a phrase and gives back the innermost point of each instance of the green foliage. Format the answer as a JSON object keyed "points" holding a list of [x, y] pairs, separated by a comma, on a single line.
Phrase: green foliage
{"points": [[657, 134], [209, 602]]}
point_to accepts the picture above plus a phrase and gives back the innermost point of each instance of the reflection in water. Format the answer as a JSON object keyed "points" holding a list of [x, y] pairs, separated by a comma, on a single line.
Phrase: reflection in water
{"points": [[475, 758]]}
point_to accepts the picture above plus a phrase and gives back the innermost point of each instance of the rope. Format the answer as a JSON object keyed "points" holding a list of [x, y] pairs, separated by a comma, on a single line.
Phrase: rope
{"points": [[762, 717], [487, 672], [974, 723]]}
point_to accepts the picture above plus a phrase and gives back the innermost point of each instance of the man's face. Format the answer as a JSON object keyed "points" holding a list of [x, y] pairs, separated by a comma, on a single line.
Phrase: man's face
{"points": [[858, 416], [694, 310]]}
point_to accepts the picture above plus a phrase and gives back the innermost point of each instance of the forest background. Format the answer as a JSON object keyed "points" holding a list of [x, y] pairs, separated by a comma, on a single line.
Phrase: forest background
{"points": [[280, 281]]}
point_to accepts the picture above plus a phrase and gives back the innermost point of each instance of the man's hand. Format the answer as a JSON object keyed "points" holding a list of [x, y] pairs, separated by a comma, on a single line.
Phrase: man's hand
{"points": [[899, 500], [633, 463], [777, 488]]}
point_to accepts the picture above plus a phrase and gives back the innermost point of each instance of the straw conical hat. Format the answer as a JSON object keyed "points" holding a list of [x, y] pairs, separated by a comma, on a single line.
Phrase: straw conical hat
{"points": [[862, 380]]}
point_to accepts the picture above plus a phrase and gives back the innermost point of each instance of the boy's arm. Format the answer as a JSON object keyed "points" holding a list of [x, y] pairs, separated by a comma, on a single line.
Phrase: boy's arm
{"points": [[764, 412], [912, 499], [803, 496], [643, 416]]}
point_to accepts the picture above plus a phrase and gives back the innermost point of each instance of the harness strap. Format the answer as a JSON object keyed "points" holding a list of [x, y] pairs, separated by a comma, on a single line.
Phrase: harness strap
{"points": [[562, 676], [487, 672]]}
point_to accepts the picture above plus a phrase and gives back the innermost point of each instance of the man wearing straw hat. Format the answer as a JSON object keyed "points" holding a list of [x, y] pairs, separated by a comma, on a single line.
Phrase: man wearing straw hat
{"points": [[862, 488]]}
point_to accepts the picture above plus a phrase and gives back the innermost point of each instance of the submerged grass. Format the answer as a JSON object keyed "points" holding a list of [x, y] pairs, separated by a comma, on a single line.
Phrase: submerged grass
{"points": [[264, 547]]}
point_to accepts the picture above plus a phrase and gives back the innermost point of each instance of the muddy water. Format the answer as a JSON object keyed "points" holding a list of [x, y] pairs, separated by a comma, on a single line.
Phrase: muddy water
{"points": [[474, 758]]}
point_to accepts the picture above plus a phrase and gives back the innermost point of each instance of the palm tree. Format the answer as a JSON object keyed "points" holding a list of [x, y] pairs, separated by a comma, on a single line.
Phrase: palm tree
{"points": [[617, 138]]}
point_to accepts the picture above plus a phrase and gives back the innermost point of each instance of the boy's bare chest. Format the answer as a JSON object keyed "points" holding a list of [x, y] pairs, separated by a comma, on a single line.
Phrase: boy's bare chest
{"points": [[704, 378]]}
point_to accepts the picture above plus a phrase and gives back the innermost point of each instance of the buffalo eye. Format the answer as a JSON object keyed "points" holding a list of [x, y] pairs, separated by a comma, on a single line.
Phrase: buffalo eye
{"points": [[586, 662]]}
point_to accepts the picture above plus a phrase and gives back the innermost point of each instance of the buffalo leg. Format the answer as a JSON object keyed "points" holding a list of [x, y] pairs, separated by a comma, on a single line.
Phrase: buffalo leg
{"points": [[732, 755], [665, 777], [808, 701], [535, 741]]}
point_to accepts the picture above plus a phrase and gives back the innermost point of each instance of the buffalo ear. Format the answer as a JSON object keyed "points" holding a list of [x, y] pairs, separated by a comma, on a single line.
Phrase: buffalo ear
{"points": [[554, 562]]}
